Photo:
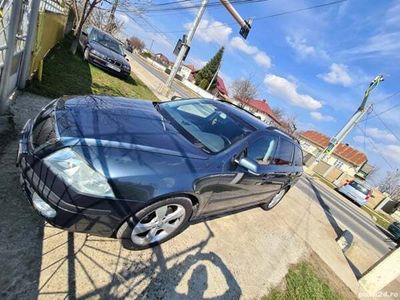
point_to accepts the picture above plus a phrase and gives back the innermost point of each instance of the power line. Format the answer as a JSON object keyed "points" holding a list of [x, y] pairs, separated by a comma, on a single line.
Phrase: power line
{"points": [[383, 112], [387, 127], [268, 16], [386, 98], [375, 147]]}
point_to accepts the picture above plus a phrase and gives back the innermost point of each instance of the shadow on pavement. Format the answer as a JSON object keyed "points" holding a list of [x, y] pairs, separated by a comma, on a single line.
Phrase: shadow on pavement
{"points": [[326, 210], [185, 274]]}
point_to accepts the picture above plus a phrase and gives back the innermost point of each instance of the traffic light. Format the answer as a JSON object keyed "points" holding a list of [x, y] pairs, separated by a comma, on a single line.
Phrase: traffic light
{"points": [[244, 30]]}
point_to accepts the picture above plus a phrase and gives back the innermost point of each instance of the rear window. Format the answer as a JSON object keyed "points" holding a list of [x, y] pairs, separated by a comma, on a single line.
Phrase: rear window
{"points": [[359, 187], [298, 157], [284, 153]]}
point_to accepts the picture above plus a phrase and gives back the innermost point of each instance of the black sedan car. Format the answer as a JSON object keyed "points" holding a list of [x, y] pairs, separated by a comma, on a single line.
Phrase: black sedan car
{"points": [[101, 49], [394, 229], [142, 171]]}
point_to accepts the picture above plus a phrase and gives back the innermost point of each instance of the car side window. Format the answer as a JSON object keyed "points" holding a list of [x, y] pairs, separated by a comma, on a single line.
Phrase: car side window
{"points": [[263, 149], [298, 157], [284, 153]]}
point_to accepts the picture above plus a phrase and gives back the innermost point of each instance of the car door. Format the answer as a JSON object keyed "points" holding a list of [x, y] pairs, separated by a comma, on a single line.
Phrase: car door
{"points": [[238, 187]]}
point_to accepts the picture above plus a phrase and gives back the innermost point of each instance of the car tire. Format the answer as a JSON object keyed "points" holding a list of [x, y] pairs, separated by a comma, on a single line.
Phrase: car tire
{"points": [[86, 54], [275, 201], [145, 229]]}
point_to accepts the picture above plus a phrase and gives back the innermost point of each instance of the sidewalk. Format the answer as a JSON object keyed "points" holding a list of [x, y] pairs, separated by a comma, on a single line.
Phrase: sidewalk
{"points": [[153, 82]]}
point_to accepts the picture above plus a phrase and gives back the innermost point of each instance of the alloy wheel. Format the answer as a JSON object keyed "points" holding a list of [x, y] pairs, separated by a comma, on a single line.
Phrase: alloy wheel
{"points": [[278, 197], [158, 224]]}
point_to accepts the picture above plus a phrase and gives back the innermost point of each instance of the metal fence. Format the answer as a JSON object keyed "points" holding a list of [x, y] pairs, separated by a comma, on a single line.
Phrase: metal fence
{"points": [[18, 21]]}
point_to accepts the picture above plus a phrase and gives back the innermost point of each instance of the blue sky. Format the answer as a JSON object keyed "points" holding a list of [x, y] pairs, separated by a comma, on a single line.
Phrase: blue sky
{"points": [[313, 64]]}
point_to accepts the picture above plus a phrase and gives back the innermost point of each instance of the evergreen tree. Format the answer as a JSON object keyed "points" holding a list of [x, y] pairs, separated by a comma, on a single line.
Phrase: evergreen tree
{"points": [[208, 71]]}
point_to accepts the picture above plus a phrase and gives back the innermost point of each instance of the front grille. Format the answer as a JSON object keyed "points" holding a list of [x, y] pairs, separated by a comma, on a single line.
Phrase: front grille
{"points": [[44, 130], [114, 62]]}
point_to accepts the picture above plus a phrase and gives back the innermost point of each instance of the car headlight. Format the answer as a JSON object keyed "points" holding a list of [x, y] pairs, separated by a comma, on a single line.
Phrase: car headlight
{"points": [[74, 170], [97, 53]]}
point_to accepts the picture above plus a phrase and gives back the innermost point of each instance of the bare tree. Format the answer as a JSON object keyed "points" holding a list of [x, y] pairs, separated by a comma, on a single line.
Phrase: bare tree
{"points": [[100, 18], [244, 90], [289, 122], [136, 43], [391, 184], [278, 112], [82, 10]]}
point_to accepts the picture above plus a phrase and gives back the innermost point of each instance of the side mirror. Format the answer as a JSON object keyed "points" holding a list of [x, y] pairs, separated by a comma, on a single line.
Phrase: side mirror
{"points": [[249, 164], [84, 33], [124, 54]]}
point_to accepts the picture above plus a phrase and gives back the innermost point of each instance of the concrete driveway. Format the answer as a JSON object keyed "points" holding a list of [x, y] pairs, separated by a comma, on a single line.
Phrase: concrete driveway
{"points": [[240, 255]]}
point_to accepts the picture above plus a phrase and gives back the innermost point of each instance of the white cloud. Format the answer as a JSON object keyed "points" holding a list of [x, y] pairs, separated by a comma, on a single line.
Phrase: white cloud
{"points": [[338, 75], [284, 89], [393, 15], [389, 151], [259, 56], [304, 50], [300, 46], [320, 117], [241, 45], [382, 44], [197, 62], [263, 59], [380, 134], [212, 31]]}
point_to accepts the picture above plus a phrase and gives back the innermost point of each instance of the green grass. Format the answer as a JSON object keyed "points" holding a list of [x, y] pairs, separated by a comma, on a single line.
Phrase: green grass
{"points": [[380, 218], [67, 74], [302, 283]]}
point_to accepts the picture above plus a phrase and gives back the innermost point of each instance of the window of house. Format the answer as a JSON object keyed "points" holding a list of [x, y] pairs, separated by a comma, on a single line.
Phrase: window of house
{"points": [[338, 164], [284, 153], [263, 149]]}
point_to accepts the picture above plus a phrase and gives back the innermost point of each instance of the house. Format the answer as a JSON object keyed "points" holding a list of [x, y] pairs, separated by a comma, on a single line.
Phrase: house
{"points": [[220, 91], [161, 59], [260, 109], [185, 72], [344, 163]]}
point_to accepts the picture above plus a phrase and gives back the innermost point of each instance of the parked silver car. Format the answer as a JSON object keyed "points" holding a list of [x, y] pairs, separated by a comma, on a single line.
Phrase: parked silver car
{"points": [[356, 191]]}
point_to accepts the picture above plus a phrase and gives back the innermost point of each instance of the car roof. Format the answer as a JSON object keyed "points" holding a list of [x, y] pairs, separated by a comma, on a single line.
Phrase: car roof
{"points": [[105, 33]]}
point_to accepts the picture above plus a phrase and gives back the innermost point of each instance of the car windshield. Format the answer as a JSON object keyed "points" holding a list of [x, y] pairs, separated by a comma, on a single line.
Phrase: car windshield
{"points": [[205, 123], [359, 187], [106, 41]]}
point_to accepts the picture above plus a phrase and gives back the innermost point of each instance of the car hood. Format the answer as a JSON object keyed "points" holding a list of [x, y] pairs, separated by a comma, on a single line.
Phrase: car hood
{"points": [[107, 52], [102, 121]]}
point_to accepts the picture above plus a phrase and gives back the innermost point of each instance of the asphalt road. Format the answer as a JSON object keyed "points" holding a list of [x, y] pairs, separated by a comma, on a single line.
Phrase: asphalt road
{"points": [[162, 76], [343, 214]]}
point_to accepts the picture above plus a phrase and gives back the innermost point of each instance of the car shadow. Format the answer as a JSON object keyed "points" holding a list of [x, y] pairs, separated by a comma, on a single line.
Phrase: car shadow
{"points": [[185, 274]]}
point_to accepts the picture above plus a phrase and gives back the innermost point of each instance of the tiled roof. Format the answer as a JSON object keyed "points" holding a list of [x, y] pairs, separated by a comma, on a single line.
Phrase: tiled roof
{"points": [[262, 106], [343, 151], [221, 86]]}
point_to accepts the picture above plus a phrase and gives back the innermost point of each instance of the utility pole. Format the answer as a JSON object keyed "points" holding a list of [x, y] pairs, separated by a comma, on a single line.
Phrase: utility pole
{"points": [[361, 111], [111, 19], [244, 31], [214, 76], [185, 46]]}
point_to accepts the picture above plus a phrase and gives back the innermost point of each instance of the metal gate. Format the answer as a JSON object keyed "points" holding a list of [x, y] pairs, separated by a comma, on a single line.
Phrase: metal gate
{"points": [[16, 35], [14, 20]]}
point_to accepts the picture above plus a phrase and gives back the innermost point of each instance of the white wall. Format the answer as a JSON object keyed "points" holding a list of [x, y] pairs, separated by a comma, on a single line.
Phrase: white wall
{"points": [[198, 90]]}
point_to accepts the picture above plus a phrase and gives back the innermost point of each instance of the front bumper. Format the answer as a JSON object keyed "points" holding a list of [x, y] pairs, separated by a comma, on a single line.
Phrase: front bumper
{"points": [[103, 64], [72, 211]]}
